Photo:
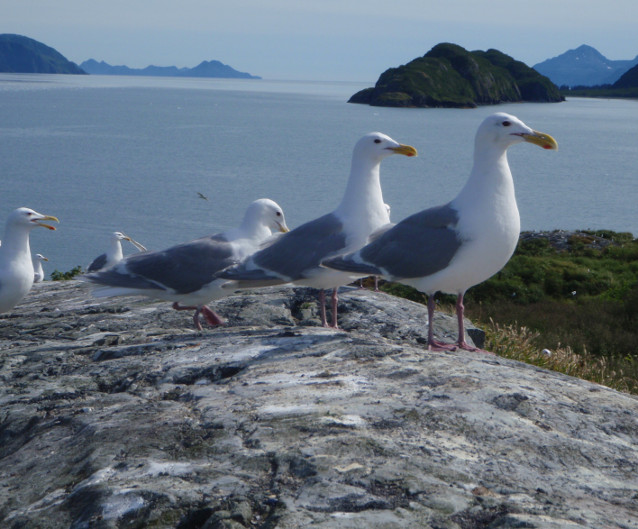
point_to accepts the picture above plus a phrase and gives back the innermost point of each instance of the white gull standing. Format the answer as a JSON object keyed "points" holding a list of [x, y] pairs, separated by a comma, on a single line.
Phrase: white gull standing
{"points": [[295, 257], [452, 247], [114, 253], [185, 274], [16, 266], [38, 271]]}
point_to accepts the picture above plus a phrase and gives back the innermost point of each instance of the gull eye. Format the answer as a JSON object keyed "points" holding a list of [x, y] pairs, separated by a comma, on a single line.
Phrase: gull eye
{"points": [[507, 123], [377, 140], [278, 213]]}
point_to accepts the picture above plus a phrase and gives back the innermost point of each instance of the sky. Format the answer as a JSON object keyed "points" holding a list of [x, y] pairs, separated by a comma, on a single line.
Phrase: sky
{"points": [[323, 40]]}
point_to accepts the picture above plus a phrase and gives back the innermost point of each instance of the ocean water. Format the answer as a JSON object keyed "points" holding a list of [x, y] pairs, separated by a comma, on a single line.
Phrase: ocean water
{"points": [[132, 154]]}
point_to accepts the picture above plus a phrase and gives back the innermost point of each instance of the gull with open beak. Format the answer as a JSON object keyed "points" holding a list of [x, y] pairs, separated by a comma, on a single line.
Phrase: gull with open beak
{"points": [[114, 254]]}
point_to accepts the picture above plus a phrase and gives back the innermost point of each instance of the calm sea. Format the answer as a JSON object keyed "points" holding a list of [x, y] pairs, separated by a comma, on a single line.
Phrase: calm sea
{"points": [[132, 154]]}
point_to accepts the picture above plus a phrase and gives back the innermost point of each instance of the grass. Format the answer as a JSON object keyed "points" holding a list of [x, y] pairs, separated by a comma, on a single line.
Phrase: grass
{"points": [[574, 294], [520, 343], [56, 275]]}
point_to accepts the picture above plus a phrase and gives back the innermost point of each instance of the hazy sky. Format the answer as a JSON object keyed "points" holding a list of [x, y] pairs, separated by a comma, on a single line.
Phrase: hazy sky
{"points": [[350, 40]]}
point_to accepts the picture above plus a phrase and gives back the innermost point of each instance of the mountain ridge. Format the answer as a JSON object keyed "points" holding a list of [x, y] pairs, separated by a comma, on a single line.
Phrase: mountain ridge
{"points": [[584, 66], [212, 68]]}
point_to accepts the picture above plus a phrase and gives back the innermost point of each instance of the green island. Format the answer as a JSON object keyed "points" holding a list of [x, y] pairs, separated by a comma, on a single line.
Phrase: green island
{"points": [[450, 76], [20, 54]]}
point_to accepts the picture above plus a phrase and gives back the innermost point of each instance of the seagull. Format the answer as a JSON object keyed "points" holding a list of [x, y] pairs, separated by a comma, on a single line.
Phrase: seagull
{"points": [[16, 266], [38, 272], [453, 247], [114, 254], [185, 274], [295, 257]]}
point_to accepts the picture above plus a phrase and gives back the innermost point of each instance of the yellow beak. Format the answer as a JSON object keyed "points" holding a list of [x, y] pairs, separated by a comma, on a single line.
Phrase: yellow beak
{"points": [[541, 139], [406, 150], [46, 217]]}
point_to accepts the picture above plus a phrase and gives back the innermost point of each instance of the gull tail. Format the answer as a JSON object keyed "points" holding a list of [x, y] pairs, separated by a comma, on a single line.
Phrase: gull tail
{"points": [[347, 264], [248, 278]]}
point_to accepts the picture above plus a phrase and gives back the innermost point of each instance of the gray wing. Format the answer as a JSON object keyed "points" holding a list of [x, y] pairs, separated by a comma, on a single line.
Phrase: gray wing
{"points": [[295, 253], [98, 263], [418, 246], [183, 268], [380, 231], [302, 249]]}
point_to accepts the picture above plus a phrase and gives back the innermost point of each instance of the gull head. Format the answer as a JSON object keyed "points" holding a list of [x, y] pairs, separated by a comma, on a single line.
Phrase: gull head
{"points": [[268, 213], [119, 236], [377, 146], [29, 219], [502, 130]]}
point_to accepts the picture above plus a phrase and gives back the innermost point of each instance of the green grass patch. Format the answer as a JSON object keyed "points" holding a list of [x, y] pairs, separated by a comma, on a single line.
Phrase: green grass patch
{"points": [[575, 294]]}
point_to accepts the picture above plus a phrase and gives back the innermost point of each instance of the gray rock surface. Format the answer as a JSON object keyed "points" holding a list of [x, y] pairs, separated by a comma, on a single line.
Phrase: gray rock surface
{"points": [[117, 414]]}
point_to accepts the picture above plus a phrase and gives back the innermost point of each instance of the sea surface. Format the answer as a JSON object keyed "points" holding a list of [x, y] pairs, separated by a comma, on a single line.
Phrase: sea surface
{"points": [[133, 154]]}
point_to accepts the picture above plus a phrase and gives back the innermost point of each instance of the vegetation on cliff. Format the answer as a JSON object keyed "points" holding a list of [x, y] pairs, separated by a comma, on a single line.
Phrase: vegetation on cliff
{"points": [[20, 54], [450, 76], [573, 293]]}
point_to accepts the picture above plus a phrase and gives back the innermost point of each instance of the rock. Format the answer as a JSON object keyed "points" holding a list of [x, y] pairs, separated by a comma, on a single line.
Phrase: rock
{"points": [[450, 76], [116, 413]]}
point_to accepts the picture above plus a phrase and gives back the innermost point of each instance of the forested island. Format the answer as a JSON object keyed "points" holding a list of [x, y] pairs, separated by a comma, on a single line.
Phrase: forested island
{"points": [[450, 76], [20, 54]]}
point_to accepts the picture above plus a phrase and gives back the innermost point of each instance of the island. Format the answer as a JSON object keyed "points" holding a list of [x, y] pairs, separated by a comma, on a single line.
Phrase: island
{"points": [[450, 76], [211, 68], [19, 54]]}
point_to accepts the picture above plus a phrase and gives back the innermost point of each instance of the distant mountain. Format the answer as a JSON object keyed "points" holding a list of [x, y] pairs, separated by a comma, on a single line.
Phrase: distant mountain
{"points": [[450, 76], [204, 69], [584, 66], [20, 54]]}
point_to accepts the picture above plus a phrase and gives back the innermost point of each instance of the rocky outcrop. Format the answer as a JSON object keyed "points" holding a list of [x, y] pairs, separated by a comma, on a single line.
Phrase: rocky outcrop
{"points": [[450, 76], [116, 413]]}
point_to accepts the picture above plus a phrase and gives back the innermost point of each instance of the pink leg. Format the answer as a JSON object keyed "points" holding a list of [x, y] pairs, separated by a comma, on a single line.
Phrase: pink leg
{"points": [[211, 317], [461, 343], [435, 345], [376, 283], [322, 308], [335, 299]]}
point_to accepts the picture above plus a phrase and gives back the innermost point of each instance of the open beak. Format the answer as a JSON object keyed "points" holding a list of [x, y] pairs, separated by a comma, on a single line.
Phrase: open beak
{"points": [[46, 217], [137, 245], [541, 139], [406, 150]]}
